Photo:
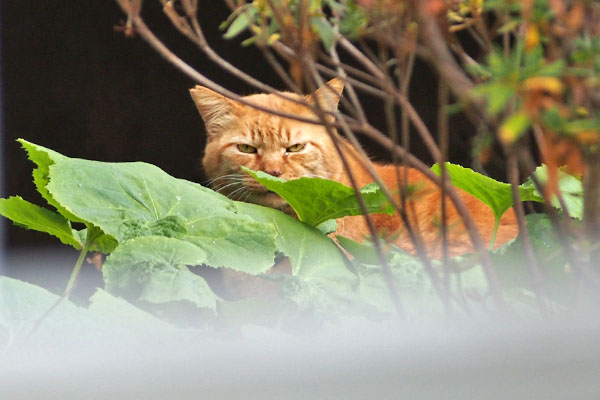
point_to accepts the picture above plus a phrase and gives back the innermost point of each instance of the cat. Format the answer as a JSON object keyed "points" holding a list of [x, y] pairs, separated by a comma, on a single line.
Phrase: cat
{"points": [[239, 135]]}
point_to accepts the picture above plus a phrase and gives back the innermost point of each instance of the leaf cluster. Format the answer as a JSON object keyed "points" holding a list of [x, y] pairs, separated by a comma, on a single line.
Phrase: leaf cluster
{"points": [[158, 230]]}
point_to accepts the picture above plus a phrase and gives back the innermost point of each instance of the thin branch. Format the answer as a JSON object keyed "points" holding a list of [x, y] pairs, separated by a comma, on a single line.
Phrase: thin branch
{"points": [[532, 265], [443, 135], [401, 210], [144, 32], [474, 235], [388, 277], [457, 80]]}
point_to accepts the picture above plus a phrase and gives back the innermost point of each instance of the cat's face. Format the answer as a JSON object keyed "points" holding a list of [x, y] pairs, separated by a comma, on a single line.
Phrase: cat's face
{"points": [[239, 135]]}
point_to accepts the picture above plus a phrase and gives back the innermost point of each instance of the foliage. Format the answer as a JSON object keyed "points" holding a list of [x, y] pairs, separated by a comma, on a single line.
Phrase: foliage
{"points": [[160, 229], [316, 200], [570, 187], [497, 195], [531, 84], [108, 319]]}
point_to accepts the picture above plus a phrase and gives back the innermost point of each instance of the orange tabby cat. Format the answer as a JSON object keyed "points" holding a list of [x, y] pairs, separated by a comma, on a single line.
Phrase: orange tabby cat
{"points": [[239, 135]]}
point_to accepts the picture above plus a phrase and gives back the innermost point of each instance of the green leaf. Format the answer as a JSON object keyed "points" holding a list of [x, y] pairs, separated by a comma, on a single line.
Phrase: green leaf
{"points": [[156, 268], [30, 216], [362, 253], [553, 69], [310, 251], [102, 242], [44, 158], [109, 320], [497, 93], [498, 64], [325, 31], [497, 195], [162, 225], [316, 200], [323, 282], [552, 119], [21, 306], [413, 285], [328, 226], [169, 226], [129, 200], [511, 262], [240, 23], [514, 127], [121, 315], [570, 187], [353, 21]]}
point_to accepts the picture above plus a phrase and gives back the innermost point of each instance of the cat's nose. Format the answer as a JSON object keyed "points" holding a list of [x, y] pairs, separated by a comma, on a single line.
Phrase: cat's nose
{"points": [[274, 172]]}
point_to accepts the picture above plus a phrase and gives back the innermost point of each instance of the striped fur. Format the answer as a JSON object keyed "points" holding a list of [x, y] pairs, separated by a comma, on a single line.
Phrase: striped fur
{"points": [[229, 124]]}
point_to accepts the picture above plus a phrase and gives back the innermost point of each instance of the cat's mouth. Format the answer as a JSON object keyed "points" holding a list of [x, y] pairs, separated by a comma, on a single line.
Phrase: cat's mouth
{"points": [[269, 198], [262, 196]]}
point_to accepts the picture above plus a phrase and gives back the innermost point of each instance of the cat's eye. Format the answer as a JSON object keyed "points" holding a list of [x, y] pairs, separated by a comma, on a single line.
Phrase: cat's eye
{"points": [[246, 148], [295, 148]]}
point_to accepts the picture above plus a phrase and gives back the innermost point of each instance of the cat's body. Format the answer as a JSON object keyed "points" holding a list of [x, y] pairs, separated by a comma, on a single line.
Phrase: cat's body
{"points": [[239, 135]]}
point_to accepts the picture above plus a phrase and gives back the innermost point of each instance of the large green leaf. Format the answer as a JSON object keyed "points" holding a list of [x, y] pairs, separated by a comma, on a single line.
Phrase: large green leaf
{"points": [[128, 200], [310, 251], [316, 200], [23, 304], [497, 195], [107, 320], [156, 268], [162, 225], [323, 283], [122, 316], [44, 158], [30, 216]]}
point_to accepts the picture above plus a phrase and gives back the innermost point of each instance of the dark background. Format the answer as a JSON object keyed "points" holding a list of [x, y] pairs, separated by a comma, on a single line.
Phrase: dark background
{"points": [[75, 84]]}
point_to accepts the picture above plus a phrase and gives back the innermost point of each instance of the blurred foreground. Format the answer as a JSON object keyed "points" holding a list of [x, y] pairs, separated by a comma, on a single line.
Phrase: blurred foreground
{"points": [[136, 356]]}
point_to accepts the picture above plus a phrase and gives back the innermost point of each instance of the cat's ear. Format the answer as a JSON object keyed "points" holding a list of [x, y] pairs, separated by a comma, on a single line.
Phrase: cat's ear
{"points": [[328, 95], [216, 110]]}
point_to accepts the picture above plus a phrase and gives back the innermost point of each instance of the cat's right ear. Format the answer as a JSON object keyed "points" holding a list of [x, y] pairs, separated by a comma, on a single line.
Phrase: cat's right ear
{"points": [[216, 110], [328, 95]]}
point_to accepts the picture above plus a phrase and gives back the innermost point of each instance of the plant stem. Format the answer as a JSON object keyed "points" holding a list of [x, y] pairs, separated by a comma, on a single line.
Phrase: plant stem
{"points": [[78, 264], [493, 240], [89, 239]]}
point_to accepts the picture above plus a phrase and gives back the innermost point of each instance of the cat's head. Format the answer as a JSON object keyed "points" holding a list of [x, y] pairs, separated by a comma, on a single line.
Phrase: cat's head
{"points": [[239, 135]]}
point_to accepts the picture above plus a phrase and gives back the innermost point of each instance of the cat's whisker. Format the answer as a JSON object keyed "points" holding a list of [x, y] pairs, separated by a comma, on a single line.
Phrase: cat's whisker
{"points": [[220, 189], [248, 195], [228, 177], [313, 176], [235, 192], [220, 185]]}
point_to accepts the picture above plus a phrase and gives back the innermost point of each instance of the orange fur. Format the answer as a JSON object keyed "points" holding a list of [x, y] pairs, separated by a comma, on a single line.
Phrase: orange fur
{"points": [[271, 138]]}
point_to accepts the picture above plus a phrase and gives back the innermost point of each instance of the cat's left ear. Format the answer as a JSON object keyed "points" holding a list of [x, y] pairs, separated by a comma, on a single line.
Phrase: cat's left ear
{"points": [[328, 95], [216, 110]]}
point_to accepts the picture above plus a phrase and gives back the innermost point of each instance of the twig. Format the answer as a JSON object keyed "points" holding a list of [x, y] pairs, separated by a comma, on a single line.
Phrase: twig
{"points": [[532, 265], [460, 84], [388, 277], [443, 140], [144, 32]]}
